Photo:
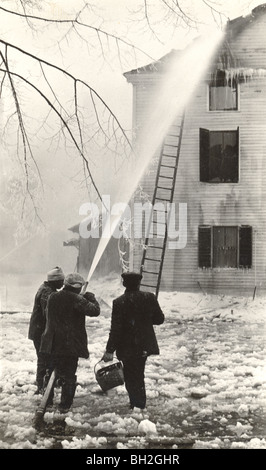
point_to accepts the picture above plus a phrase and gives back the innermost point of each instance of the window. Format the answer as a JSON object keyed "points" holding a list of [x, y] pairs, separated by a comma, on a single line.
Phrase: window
{"points": [[219, 156], [223, 93], [225, 246]]}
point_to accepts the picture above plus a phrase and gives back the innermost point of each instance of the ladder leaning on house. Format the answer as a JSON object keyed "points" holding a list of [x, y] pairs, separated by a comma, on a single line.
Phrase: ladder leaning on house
{"points": [[154, 246]]}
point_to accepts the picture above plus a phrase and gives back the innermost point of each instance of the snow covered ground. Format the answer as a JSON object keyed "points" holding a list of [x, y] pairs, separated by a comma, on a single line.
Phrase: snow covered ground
{"points": [[206, 390]]}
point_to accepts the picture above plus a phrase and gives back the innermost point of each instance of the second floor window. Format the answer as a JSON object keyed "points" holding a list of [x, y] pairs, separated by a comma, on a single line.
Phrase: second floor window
{"points": [[223, 93], [219, 156]]}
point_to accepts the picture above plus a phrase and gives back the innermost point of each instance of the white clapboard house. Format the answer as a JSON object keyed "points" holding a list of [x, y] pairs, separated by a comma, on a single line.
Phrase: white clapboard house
{"points": [[218, 159]]}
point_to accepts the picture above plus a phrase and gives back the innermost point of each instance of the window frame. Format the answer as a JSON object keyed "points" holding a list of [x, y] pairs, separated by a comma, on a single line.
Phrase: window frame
{"points": [[242, 242], [204, 154], [212, 82], [215, 246]]}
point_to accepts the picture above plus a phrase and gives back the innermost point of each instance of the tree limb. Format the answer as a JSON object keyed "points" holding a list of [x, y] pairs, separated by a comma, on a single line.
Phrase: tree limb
{"points": [[23, 132], [76, 21], [74, 79], [64, 122]]}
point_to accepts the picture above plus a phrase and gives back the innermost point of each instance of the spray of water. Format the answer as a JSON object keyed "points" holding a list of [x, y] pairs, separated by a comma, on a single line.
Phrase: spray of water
{"points": [[177, 88]]}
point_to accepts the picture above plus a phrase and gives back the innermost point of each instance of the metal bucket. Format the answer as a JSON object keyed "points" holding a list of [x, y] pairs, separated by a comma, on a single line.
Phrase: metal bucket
{"points": [[109, 376]]}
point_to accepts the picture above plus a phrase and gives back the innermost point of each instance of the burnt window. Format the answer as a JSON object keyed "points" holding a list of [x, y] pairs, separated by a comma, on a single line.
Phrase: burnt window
{"points": [[219, 156], [223, 93], [225, 246]]}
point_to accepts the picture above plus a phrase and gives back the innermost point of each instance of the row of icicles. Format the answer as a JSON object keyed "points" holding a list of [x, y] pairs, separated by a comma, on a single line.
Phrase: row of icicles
{"points": [[243, 73]]}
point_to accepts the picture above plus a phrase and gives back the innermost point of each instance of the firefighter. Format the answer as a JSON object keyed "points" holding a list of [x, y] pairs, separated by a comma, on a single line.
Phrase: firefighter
{"points": [[132, 335], [65, 336], [55, 280]]}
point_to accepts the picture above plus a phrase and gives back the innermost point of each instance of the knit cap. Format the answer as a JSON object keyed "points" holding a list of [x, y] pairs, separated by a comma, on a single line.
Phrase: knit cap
{"points": [[56, 274], [74, 280]]}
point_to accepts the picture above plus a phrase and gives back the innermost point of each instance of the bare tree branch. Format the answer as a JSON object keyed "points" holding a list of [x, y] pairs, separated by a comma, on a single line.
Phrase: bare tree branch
{"points": [[93, 94], [74, 79], [147, 17], [176, 14], [64, 122], [26, 144], [74, 121], [49, 85], [76, 21], [214, 11]]}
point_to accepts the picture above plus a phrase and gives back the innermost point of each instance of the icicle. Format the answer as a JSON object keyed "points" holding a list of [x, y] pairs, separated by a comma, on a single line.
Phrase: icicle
{"points": [[244, 73]]}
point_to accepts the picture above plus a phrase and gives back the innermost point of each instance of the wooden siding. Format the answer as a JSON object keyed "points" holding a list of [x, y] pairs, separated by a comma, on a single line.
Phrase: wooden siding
{"points": [[241, 203], [250, 44]]}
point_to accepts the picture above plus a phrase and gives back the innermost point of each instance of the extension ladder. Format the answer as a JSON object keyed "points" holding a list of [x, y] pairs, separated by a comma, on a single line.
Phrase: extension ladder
{"points": [[154, 245]]}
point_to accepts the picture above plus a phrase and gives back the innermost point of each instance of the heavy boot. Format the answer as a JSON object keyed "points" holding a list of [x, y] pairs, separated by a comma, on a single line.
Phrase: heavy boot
{"points": [[67, 395]]}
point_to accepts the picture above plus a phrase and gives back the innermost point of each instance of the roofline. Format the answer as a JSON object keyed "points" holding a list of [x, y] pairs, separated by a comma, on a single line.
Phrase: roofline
{"points": [[232, 29]]}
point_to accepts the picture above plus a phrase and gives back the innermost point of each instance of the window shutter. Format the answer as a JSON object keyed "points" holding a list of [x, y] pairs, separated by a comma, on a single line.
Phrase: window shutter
{"points": [[245, 246], [204, 247], [204, 154], [237, 150]]}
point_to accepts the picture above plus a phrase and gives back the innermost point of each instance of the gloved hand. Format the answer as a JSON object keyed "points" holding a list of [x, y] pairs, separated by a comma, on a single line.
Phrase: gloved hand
{"points": [[89, 296], [107, 357]]}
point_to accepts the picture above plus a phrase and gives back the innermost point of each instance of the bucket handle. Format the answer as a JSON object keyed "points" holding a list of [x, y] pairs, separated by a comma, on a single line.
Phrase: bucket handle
{"points": [[108, 362]]}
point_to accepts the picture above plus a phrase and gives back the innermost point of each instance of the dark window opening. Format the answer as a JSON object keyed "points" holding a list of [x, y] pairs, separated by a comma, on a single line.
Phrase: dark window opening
{"points": [[225, 247], [205, 259], [219, 156], [223, 93], [245, 244]]}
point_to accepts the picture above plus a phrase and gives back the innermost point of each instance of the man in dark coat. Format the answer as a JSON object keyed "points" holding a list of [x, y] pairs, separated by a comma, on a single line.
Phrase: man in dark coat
{"points": [[132, 335], [55, 280], [65, 336]]}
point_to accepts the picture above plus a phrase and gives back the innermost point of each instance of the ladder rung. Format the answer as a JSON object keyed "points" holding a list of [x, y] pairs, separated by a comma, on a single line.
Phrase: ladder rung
{"points": [[168, 156], [150, 272], [152, 259], [175, 132], [153, 246], [164, 199], [147, 285]]}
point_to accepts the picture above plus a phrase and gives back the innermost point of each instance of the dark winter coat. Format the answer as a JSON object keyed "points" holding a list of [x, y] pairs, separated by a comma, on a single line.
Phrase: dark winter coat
{"points": [[65, 332], [38, 319], [133, 316]]}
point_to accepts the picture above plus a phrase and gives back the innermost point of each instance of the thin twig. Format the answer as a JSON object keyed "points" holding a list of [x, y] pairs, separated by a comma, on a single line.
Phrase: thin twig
{"points": [[68, 74], [23, 132], [63, 121], [98, 31]]}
